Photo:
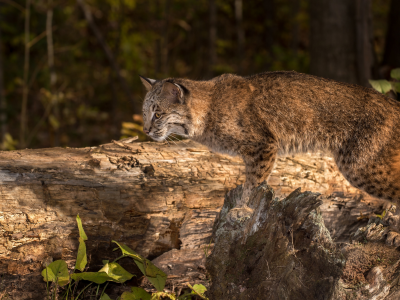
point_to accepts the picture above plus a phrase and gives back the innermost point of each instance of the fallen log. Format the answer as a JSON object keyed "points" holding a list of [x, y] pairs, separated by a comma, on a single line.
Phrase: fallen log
{"points": [[154, 197]]}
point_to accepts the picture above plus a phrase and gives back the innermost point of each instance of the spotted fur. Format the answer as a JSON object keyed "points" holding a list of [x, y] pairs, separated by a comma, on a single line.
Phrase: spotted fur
{"points": [[271, 114]]}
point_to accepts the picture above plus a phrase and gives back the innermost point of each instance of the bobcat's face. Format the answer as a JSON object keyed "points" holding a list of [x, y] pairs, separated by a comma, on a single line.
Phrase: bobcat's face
{"points": [[164, 110]]}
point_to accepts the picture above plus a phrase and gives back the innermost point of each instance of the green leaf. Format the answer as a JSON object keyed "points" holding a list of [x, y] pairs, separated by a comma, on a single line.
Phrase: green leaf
{"points": [[116, 272], [136, 294], [105, 297], [199, 290], [96, 277], [81, 259], [105, 261], [82, 233], [382, 86], [57, 271], [152, 273], [395, 73]]}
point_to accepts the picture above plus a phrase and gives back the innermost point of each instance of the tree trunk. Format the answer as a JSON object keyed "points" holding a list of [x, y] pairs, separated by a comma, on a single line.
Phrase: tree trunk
{"points": [[240, 35], [25, 86], [160, 200], [212, 60], [53, 75], [392, 48], [341, 40], [270, 31], [3, 102]]}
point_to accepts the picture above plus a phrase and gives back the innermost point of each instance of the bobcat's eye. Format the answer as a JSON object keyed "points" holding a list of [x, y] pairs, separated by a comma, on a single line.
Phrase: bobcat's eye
{"points": [[157, 116]]}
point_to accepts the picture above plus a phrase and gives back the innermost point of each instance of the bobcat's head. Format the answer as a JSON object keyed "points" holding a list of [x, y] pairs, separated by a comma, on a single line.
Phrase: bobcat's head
{"points": [[165, 109]]}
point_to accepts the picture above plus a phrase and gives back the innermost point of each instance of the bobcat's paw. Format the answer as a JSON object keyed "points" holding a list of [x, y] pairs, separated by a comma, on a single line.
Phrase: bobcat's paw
{"points": [[240, 214]]}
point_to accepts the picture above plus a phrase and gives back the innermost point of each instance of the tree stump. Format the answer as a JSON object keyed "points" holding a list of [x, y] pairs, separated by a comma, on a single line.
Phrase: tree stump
{"points": [[284, 251]]}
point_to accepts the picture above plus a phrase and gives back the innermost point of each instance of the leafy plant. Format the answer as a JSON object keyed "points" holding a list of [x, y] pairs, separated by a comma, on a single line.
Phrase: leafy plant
{"points": [[57, 274], [383, 86]]}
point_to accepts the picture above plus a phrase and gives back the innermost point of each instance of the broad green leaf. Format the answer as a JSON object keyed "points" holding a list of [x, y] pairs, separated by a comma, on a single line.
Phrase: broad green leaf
{"points": [[82, 233], [105, 297], [57, 271], [152, 273], [382, 86], [105, 261], [127, 251], [395, 73], [96, 277], [81, 258], [115, 271], [136, 294], [199, 289]]}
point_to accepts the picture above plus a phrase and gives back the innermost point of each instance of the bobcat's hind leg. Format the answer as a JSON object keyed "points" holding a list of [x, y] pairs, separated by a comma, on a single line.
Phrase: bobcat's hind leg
{"points": [[380, 178], [258, 168]]}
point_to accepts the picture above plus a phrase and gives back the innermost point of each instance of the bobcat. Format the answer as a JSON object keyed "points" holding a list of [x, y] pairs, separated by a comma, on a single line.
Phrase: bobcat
{"points": [[271, 114]]}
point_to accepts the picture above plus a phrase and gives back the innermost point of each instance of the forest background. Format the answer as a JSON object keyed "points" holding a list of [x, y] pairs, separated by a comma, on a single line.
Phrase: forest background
{"points": [[69, 68]]}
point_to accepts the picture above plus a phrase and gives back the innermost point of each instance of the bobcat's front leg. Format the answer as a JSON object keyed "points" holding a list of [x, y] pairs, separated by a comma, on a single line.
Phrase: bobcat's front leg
{"points": [[258, 168]]}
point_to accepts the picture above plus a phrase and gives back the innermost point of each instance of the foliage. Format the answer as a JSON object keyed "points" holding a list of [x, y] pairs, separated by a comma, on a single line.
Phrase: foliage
{"points": [[86, 103], [57, 273], [383, 86]]}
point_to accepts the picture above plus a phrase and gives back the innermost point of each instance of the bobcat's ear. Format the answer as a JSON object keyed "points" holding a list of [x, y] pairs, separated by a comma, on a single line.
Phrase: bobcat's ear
{"points": [[172, 93], [147, 82]]}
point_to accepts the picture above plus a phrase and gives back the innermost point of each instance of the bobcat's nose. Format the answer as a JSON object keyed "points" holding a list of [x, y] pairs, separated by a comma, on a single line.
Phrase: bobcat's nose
{"points": [[146, 131]]}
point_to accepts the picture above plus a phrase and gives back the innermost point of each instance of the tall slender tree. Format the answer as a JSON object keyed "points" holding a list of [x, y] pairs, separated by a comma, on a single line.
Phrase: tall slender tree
{"points": [[270, 30], [213, 37], [340, 41], [3, 102], [240, 34], [52, 72], [25, 86]]}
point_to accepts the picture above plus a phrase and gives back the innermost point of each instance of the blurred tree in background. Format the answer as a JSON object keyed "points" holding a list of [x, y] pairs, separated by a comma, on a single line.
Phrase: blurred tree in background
{"points": [[69, 68]]}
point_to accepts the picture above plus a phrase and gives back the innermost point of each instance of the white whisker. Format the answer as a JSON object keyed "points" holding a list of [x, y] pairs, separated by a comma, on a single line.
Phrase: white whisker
{"points": [[172, 140], [167, 142], [176, 138]]}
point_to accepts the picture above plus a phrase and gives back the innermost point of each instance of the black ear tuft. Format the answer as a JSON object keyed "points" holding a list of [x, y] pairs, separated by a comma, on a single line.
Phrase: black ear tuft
{"points": [[147, 82]]}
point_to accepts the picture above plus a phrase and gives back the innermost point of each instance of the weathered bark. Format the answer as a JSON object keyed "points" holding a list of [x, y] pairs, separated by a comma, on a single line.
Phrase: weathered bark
{"points": [[153, 197]]}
